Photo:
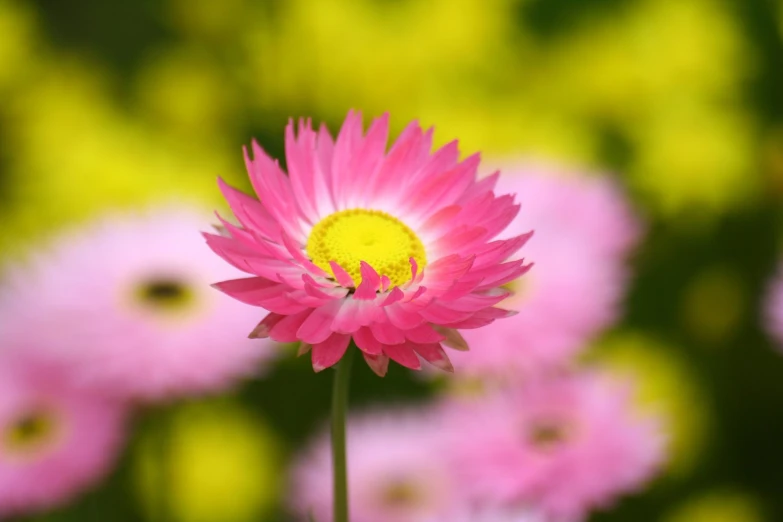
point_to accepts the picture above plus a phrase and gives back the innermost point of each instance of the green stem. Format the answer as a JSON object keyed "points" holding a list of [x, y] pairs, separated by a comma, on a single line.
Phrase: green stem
{"points": [[339, 408]]}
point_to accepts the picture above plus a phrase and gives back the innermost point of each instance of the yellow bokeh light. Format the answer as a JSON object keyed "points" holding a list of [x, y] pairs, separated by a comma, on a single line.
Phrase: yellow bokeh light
{"points": [[666, 386], [222, 465]]}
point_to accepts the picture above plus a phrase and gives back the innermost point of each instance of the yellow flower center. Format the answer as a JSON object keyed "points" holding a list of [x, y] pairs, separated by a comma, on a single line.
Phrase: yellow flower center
{"points": [[30, 432], [547, 435], [351, 236], [401, 493]]}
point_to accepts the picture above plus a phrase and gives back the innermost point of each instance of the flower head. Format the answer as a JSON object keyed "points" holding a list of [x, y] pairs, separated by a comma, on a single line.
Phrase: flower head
{"points": [[564, 445], [55, 440], [397, 471], [125, 302], [584, 231], [774, 308], [392, 249], [495, 514]]}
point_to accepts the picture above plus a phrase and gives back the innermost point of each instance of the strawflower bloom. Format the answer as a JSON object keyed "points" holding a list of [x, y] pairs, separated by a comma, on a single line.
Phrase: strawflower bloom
{"points": [[565, 445], [56, 441], [774, 308], [584, 232], [495, 514], [397, 471], [125, 302], [392, 249]]}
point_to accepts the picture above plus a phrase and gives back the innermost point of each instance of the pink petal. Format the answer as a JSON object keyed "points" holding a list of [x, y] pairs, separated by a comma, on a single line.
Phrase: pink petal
{"points": [[441, 218], [325, 153], [502, 274], [423, 333], [283, 304], [250, 212], [453, 339], [318, 325], [459, 240], [249, 290], [497, 251], [481, 186], [261, 331], [298, 151], [477, 301], [341, 275], [387, 333], [444, 159], [437, 313], [350, 317], [444, 188], [349, 141], [395, 295], [403, 354], [296, 253], [434, 354], [414, 268], [330, 351], [481, 318], [284, 331], [319, 291], [303, 349], [401, 161], [366, 163], [274, 190], [460, 289], [385, 283], [371, 283], [377, 363], [402, 317], [367, 342], [499, 223]]}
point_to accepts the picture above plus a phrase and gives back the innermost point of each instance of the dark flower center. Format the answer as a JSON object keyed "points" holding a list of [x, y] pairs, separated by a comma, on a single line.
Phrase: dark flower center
{"points": [[548, 434], [401, 493], [30, 431], [165, 293]]}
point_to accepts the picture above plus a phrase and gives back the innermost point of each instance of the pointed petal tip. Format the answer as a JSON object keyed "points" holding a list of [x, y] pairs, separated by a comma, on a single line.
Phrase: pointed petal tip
{"points": [[454, 339], [379, 364], [443, 364], [259, 332], [303, 348]]}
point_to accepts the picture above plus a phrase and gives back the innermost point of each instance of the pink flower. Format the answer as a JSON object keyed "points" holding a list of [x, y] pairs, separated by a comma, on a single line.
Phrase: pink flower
{"points": [[126, 304], [55, 441], [494, 514], [564, 445], [584, 230], [392, 249], [774, 308], [397, 471]]}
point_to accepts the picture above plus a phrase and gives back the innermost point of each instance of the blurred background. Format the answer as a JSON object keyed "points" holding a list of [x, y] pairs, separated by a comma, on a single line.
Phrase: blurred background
{"points": [[118, 105]]}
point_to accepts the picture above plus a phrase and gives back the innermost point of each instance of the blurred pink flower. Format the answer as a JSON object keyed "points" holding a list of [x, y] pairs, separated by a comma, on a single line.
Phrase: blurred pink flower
{"points": [[55, 440], [397, 471], [126, 303], [774, 308], [494, 514], [565, 445], [584, 231], [391, 249]]}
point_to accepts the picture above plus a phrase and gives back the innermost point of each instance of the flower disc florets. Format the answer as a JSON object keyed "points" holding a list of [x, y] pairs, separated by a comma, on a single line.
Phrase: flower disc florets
{"points": [[393, 250], [351, 236]]}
